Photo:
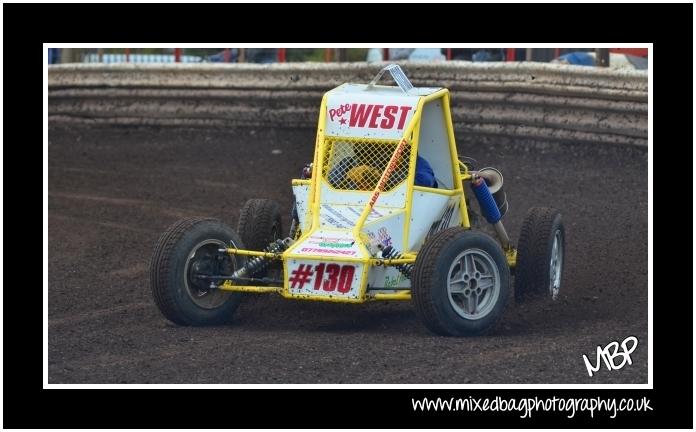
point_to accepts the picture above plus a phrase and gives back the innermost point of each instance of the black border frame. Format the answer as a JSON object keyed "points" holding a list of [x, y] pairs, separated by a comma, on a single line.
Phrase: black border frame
{"points": [[26, 404]]}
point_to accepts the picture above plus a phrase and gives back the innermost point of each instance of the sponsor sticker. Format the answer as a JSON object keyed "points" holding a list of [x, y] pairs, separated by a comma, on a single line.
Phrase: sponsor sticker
{"points": [[382, 236], [324, 279], [370, 116]]}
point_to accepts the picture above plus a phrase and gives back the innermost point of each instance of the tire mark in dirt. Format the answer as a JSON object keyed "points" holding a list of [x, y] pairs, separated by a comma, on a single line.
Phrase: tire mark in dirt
{"points": [[97, 314], [114, 225], [129, 202], [79, 170]]}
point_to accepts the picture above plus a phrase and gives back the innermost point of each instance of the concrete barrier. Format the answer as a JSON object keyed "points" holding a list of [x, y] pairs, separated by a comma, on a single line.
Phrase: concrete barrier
{"points": [[490, 101]]}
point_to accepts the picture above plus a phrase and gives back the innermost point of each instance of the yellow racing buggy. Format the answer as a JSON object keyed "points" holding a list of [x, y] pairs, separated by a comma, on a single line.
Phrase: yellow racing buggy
{"points": [[380, 214]]}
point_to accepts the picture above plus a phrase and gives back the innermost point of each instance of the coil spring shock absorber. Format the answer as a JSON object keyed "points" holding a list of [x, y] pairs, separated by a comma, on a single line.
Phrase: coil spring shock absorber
{"points": [[391, 253], [489, 208], [258, 263]]}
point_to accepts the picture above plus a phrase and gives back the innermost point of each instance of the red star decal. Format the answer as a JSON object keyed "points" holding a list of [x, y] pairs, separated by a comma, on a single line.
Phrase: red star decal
{"points": [[342, 121]]}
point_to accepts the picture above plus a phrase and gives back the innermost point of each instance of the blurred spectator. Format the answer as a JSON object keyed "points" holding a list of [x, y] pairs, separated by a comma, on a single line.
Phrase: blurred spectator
{"points": [[480, 54], [220, 57], [261, 55], [487, 55], [616, 61], [251, 55], [427, 54], [376, 54], [579, 58], [53, 55]]}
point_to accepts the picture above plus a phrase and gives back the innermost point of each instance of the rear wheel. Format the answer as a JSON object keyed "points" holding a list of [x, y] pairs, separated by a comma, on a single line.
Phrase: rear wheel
{"points": [[461, 282], [295, 229], [186, 251], [540, 254], [259, 225]]}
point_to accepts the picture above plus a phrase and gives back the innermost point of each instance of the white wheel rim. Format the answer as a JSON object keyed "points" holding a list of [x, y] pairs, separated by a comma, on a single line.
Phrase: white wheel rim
{"points": [[556, 265], [473, 284]]}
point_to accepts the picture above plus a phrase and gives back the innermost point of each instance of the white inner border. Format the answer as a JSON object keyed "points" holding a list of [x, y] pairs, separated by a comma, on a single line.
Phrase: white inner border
{"points": [[649, 385]]}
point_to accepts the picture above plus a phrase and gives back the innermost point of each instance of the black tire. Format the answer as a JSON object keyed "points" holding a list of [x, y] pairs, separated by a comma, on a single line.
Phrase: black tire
{"points": [[437, 261], [534, 268], [474, 218], [190, 244], [259, 225], [295, 230]]}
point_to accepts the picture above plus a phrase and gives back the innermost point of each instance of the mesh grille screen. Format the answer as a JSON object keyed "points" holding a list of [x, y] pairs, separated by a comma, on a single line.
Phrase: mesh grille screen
{"points": [[357, 164]]}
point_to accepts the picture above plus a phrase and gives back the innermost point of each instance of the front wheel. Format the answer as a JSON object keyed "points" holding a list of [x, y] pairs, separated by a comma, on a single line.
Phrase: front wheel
{"points": [[461, 282], [186, 251]]}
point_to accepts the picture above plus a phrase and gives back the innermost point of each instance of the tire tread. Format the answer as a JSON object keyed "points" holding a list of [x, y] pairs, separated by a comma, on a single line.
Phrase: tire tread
{"points": [[531, 272]]}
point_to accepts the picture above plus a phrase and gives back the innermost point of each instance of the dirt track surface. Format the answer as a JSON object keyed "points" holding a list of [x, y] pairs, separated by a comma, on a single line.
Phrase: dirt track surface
{"points": [[113, 191]]}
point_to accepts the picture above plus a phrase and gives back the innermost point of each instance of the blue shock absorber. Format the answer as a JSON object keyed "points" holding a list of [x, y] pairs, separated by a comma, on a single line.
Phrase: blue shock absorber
{"points": [[488, 206]]}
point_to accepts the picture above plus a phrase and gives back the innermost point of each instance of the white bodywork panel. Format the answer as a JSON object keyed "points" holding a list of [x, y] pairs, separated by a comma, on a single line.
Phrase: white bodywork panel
{"points": [[345, 216], [301, 193], [339, 243], [379, 112], [434, 143], [388, 231], [442, 212], [313, 277], [393, 198], [385, 279], [324, 277]]}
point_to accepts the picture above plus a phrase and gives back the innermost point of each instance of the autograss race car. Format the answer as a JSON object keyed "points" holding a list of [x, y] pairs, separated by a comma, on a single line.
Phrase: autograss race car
{"points": [[382, 213]]}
